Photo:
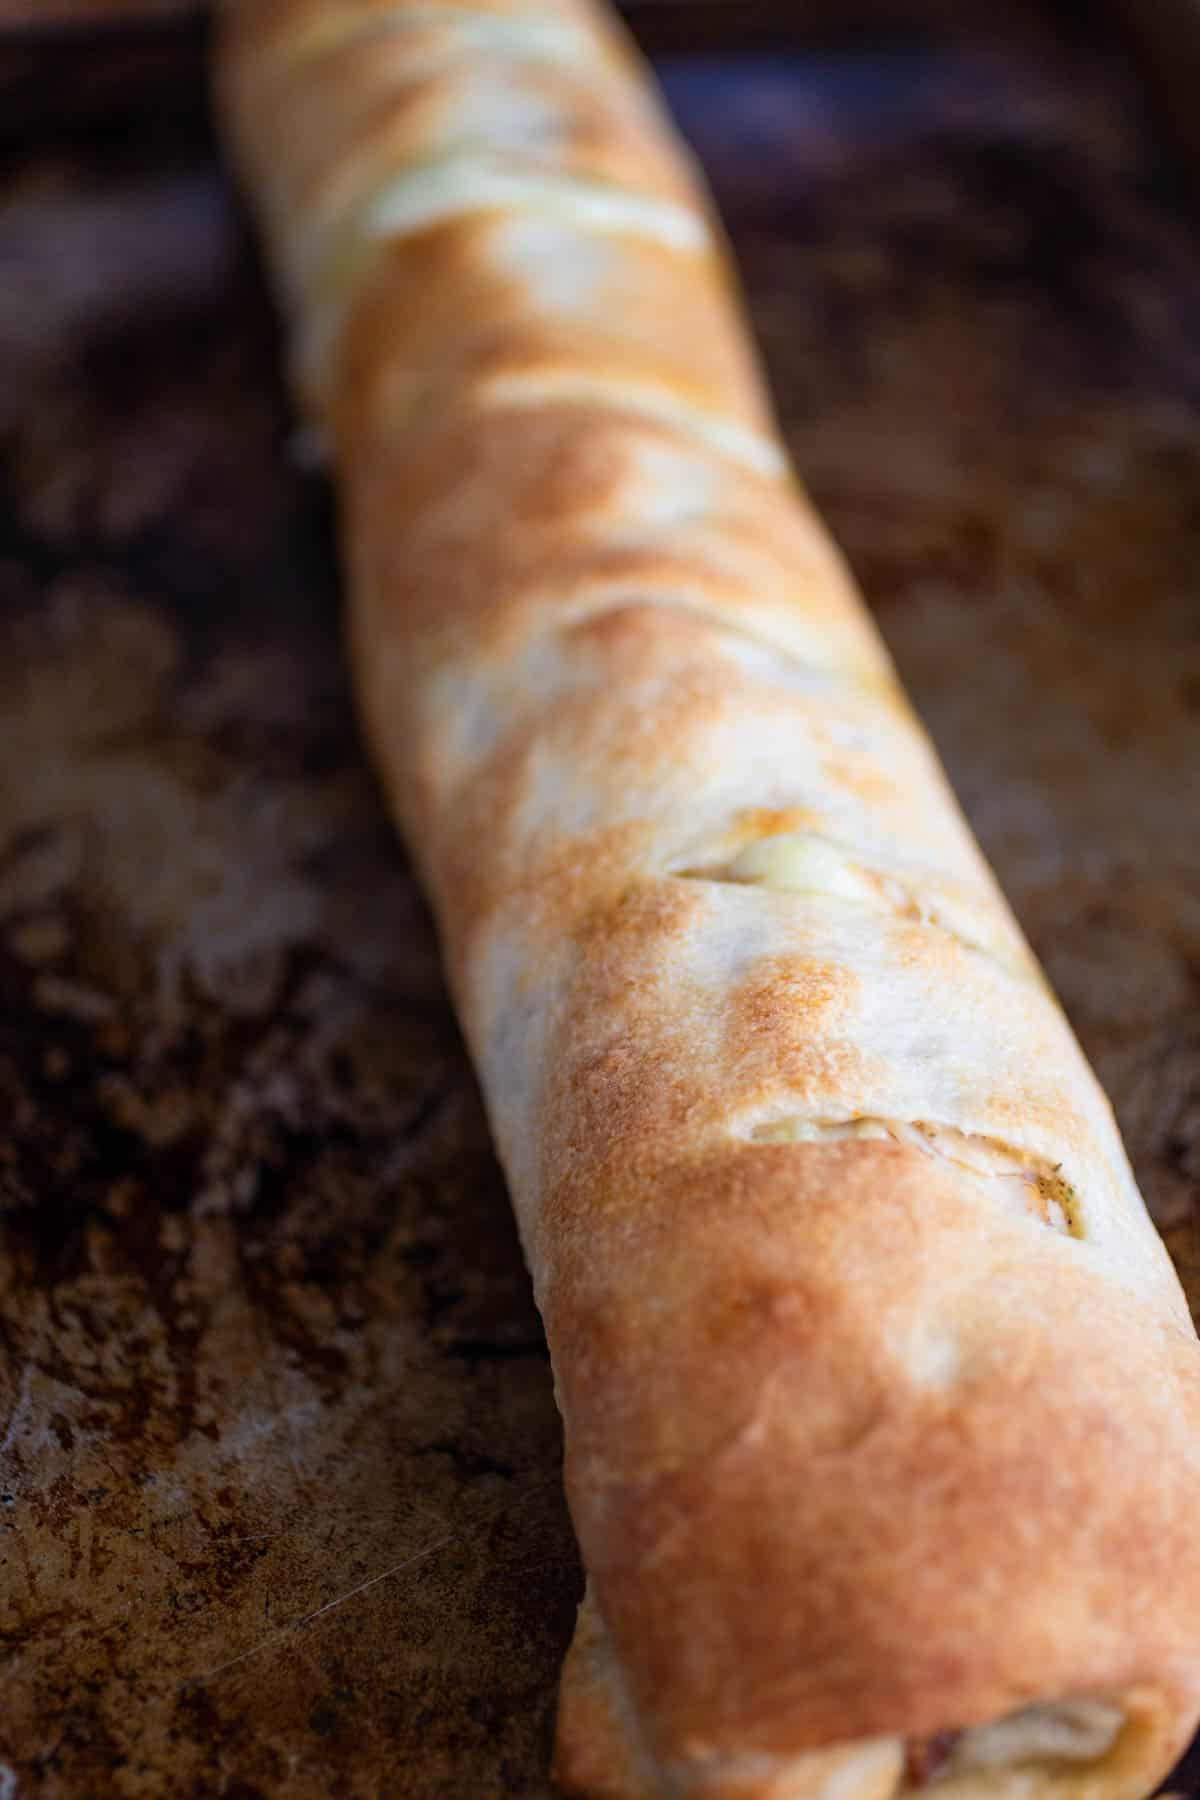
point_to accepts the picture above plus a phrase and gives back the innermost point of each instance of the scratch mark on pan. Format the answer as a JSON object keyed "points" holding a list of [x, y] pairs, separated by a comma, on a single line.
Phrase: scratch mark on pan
{"points": [[407, 1562], [329, 1606], [17, 1416]]}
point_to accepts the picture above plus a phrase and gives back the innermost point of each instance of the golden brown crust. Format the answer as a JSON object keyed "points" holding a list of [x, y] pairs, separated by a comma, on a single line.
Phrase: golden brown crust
{"points": [[616, 317], [881, 1401], [860, 1446]]}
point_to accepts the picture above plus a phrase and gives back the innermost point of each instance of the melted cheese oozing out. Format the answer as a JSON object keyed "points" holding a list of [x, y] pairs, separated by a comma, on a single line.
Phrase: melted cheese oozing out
{"points": [[799, 864]]}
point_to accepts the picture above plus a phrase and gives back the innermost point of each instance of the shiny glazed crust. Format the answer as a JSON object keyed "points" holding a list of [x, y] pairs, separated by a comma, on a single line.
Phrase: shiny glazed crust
{"points": [[881, 1400]]}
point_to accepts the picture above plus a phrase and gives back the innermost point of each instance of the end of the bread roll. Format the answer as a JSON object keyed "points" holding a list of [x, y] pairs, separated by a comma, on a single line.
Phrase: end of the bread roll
{"points": [[1075, 1748], [600, 1752]]}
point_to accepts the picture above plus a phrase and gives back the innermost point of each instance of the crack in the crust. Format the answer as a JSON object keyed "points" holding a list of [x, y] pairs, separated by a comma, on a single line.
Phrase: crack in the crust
{"points": [[1046, 1194], [535, 39], [815, 673], [455, 185], [482, 715], [811, 863], [756, 450], [473, 179]]}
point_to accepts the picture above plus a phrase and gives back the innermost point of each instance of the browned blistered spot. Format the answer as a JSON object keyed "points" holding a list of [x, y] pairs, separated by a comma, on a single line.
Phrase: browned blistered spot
{"points": [[785, 1004]]}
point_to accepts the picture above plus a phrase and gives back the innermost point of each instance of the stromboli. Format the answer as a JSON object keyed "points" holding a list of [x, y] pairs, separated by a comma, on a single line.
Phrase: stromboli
{"points": [[881, 1401]]}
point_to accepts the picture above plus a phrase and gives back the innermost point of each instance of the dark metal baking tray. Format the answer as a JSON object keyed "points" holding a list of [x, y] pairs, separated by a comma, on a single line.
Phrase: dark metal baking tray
{"points": [[279, 1498]]}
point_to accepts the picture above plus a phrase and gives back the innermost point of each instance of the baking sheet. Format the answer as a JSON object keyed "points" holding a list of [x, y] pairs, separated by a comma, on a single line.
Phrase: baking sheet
{"points": [[279, 1502]]}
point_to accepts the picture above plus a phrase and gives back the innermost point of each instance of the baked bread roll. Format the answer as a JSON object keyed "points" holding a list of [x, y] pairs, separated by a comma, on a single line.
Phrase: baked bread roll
{"points": [[881, 1399]]}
